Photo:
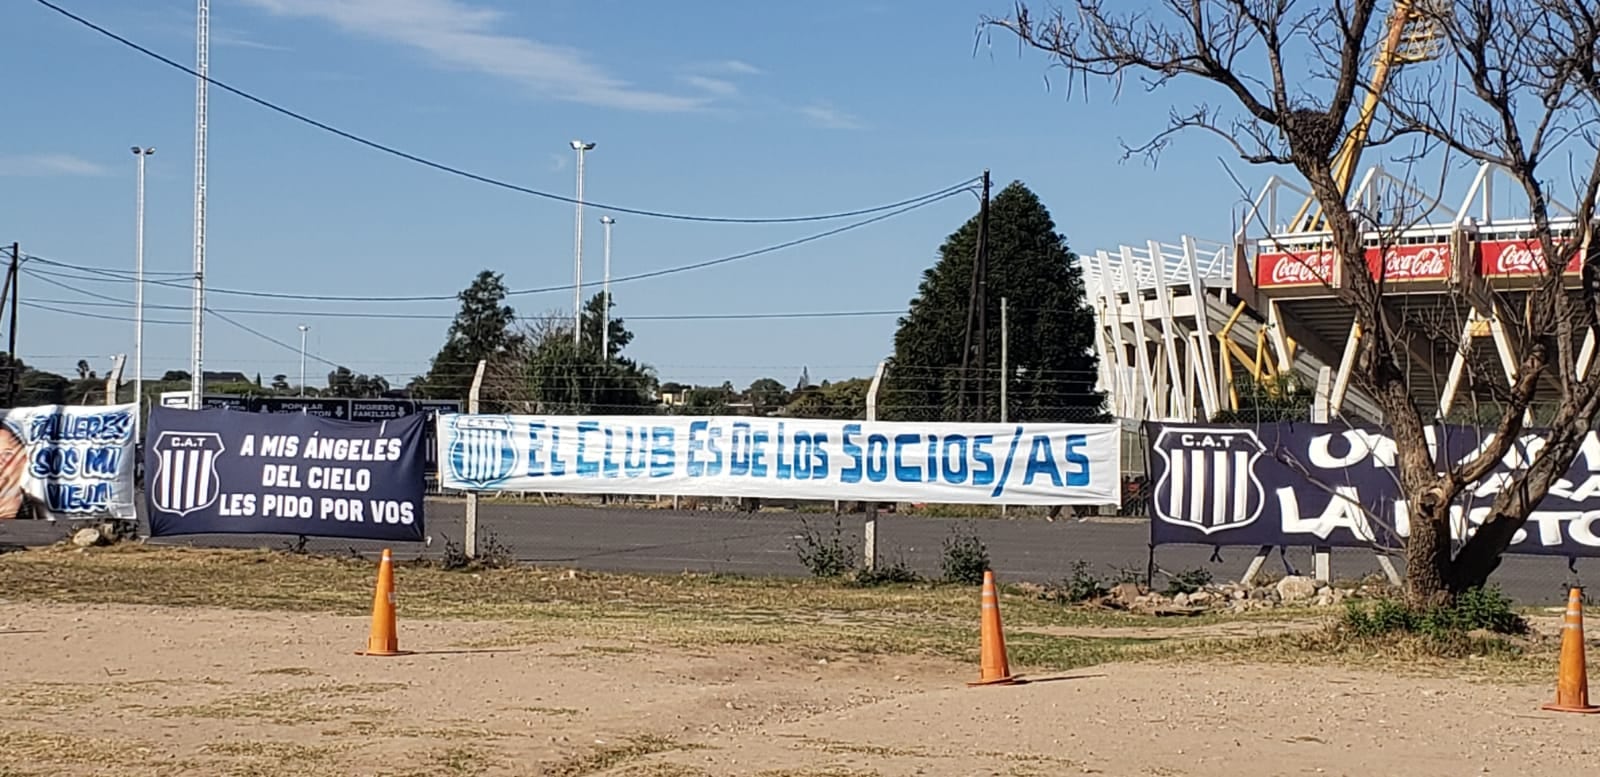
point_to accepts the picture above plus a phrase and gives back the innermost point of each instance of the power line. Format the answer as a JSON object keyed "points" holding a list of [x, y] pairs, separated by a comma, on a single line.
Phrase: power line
{"points": [[271, 339], [567, 287], [103, 271], [464, 173], [449, 317]]}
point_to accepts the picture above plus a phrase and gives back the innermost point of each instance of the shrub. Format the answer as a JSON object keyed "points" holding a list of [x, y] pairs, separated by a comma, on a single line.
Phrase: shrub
{"points": [[1188, 581], [825, 554], [492, 554], [1474, 609], [898, 571], [1081, 585], [965, 557]]}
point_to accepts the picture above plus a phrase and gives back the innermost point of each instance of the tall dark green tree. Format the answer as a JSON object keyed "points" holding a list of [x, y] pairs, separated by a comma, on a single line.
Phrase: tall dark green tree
{"points": [[1052, 360], [546, 372], [482, 330]]}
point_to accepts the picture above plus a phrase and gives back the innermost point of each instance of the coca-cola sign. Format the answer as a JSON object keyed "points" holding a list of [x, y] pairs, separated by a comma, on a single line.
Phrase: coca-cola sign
{"points": [[1518, 258], [1300, 268], [1422, 262]]}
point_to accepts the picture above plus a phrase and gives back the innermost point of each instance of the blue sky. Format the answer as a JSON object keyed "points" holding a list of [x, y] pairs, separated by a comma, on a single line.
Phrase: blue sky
{"points": [[705, 108]]}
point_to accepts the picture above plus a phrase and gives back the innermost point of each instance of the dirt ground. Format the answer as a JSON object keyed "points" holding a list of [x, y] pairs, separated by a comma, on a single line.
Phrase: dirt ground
{"points": [[134, 690]]}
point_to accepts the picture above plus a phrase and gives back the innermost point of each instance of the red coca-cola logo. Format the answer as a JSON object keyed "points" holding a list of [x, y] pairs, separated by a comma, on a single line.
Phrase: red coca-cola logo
{"points": [[1413, 262], [1518, 258], [1298, 269]]}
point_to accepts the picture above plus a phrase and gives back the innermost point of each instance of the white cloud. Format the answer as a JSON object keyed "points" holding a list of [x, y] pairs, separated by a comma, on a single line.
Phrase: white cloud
{"points": [[224, 38], [457, 34], [732, 67], [829, 117], [717, 86], [41, 165]]}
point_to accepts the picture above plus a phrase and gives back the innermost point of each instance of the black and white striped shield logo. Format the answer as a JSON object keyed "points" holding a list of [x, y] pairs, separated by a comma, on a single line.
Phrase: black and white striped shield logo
{"points": [[1209, 481], [185, 479]]}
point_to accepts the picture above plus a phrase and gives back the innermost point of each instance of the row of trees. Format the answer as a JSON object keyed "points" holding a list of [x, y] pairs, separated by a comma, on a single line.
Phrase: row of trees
{"points": [[1051, 370]]}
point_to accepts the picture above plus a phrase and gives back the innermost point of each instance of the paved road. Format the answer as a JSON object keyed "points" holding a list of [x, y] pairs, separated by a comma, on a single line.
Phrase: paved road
{"points": [[665, 541]]}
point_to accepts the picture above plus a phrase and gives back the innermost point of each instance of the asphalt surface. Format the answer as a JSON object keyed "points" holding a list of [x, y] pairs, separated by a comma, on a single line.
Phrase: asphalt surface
{"points": [[631, 539]]}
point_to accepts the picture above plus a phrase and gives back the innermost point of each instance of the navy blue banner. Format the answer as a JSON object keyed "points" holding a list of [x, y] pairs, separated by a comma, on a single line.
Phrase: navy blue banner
{"points": [[222, 471], [1299, 484]]}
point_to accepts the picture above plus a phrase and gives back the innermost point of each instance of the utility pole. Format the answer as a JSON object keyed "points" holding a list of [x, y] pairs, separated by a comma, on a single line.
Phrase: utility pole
{"points": [[605, 296], [11, 335], [977, 292], [983, 300]]}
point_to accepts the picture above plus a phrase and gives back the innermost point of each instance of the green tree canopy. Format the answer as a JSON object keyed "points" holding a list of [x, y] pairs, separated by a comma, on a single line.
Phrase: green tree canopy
{"points": [[483, 329], [1051, 349], [544, 371]]}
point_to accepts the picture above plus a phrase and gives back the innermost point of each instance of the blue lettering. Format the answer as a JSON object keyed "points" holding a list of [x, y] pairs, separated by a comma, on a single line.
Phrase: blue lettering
{"points": [[695, 467], [52, 462], [758, 443], [637, 453], [535, 450], [955, 467], [983, 473], [662, 458], [819, 456], [785, 467], [902, 471], [852, 473], [586, 468], [801, 457], [557, 466], [608, 465], [739, 450], [877, 457], [1079, 475], [1041, 461], [77, 497], [101, 462]]}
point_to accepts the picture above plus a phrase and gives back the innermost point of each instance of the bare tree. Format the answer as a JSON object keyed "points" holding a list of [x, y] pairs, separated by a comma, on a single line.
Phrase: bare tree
{"points": [[1509, 53]]}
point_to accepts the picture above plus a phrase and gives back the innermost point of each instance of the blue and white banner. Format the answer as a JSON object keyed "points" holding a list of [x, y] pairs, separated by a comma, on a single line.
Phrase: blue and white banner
{"points": [[67, 462], [1044, 464], [222, 471]]}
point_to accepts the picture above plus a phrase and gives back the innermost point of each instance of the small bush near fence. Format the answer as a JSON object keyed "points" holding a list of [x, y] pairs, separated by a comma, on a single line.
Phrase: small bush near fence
{"points": [[966, 557], [825, 553]]}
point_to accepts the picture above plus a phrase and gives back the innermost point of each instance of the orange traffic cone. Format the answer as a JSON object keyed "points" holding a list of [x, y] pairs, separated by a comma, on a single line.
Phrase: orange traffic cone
{"points": [[383, 641], [996, 670], [1572, 686]]}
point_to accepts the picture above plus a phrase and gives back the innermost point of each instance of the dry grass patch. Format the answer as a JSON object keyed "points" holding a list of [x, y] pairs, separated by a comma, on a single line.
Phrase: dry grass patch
{"points": [[293, 706], [604, 758]]}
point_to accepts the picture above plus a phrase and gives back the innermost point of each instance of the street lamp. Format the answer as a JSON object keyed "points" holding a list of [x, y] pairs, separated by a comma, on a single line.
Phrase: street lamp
{"points": [[577, 271], [138, 289], [303, 330], [605, 295]]}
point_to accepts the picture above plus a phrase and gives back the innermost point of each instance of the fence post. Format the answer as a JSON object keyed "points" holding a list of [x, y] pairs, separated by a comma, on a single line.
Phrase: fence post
{"points": [[869, 543], [114, 378], [470, 541], [1321, 413]]}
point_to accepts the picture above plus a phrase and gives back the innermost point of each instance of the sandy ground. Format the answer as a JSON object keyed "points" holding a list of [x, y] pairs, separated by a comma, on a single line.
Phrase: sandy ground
{"points": [[143, 691]]}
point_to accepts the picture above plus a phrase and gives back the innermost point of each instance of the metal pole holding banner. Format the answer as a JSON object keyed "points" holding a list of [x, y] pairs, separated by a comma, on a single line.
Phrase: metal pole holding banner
{"points": [[470, 541], [869, 542], [1005, 360], [114, 378]]}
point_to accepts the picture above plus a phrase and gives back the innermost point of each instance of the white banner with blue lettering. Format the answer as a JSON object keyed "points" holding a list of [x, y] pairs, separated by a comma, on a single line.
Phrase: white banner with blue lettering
{"points": [[67, 462], [1043, 464]]}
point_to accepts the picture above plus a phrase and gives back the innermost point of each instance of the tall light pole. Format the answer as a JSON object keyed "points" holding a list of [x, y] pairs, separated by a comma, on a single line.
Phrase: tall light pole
{"points": [[202, 61], [577, 271], [605, 295], [138, 290], [303, 330]]}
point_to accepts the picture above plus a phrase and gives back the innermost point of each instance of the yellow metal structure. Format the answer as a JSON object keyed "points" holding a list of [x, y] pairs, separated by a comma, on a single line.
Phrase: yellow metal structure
{"points": [[1411, 35]]}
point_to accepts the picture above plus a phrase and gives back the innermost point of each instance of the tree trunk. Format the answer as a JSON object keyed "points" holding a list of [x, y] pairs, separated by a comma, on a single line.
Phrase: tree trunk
{"points": [[1428, 568]]}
